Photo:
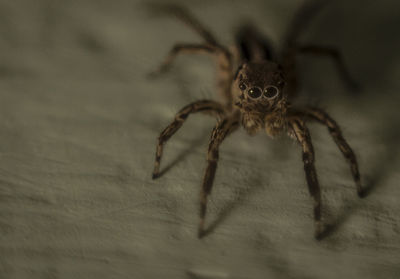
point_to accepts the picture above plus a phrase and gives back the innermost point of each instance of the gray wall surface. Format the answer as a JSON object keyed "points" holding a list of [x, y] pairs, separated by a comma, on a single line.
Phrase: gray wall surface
{"points": [[78, 127]]}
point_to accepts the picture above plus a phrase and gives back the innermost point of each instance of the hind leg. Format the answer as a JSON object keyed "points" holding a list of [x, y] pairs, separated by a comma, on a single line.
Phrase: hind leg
{"points": [[253, 46], [337, 58], [296, 27]]}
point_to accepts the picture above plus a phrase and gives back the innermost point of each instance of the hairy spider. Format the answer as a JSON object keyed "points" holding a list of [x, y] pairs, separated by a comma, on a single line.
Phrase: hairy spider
{"points": [[255, 91]]}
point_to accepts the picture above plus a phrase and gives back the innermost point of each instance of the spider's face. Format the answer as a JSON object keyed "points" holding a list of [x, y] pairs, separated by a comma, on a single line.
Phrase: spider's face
{"points": [[259, 86]]}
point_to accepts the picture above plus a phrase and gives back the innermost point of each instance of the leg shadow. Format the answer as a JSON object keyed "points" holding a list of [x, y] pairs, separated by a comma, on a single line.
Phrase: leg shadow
{"points": [[241, 194], [331, 227], [385, 165], [182, 155]]}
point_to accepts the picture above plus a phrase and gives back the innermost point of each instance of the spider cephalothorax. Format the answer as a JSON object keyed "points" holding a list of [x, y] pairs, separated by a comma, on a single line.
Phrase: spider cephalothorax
{"points": [[255, 97], [258, 93]]}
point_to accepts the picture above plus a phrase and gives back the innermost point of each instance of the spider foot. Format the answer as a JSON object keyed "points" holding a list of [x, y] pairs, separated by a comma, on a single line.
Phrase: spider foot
{"points": [[155, 175], [201, 232], [319, 232], [156, 170], [360, 192]]}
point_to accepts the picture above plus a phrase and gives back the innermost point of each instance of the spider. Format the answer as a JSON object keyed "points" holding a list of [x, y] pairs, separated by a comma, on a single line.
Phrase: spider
{"points": [[255, 87]]}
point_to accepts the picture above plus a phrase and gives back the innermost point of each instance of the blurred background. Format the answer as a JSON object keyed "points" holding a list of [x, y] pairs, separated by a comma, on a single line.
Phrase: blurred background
{"points": [[78, 128]]}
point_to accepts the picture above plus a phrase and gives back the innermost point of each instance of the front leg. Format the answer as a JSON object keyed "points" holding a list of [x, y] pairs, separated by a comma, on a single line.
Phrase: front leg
{"points": [[303, 137], [334, 129], [223, 128], [204, 106]]}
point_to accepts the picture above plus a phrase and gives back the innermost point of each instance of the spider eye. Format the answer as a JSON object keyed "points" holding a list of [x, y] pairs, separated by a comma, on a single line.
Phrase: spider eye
{"points": [[254, 92], [271, 91], [242, 86]]}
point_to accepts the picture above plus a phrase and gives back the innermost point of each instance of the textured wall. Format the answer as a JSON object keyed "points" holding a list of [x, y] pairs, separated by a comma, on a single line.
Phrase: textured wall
{"points": [[78, 127]]}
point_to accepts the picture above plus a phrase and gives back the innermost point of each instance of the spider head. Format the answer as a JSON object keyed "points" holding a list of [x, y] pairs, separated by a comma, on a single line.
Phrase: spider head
{"points": [[259, 86]]}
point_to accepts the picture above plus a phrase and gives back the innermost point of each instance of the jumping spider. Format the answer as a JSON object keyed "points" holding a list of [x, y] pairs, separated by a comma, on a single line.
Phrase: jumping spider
{"points": [[256, 96]]}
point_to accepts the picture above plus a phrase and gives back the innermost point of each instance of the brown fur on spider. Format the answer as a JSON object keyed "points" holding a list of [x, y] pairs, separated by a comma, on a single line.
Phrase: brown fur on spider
{"points": [[255, 93]]}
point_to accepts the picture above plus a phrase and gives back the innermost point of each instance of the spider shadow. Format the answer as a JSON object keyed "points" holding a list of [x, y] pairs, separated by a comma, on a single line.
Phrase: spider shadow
{"points": [[337, 221], [280, 266], [391, 139], [194, 144], [241, 195], [384, 167]]}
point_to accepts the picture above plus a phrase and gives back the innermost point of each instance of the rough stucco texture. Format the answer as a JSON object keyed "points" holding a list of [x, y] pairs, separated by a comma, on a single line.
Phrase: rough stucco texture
{"points": [[78, 128]]}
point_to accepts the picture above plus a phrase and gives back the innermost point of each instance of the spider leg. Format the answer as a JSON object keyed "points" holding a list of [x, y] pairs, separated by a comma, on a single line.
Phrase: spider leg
{"points": [[182, 48], [287, 56], [300, 20], [205, 106], [221, 130], [337, 58], [252, 45], [190, 20], [334, 130], [225, 57], [211, 46], [303, 136], [224, 70]]}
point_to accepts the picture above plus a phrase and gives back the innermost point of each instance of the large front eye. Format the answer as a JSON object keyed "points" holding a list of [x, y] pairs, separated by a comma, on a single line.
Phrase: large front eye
{"points": [[271, 91], [254, 92]]}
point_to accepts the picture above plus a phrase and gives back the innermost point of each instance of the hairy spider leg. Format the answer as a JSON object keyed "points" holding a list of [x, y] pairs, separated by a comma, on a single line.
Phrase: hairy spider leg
{"points": [[253, 46], [211, 46], [179, 49], [219, 133], [190, 20], [302, 17], [344, 147], [337, 57], [287, 56], [303, 136], [204, 106]]}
